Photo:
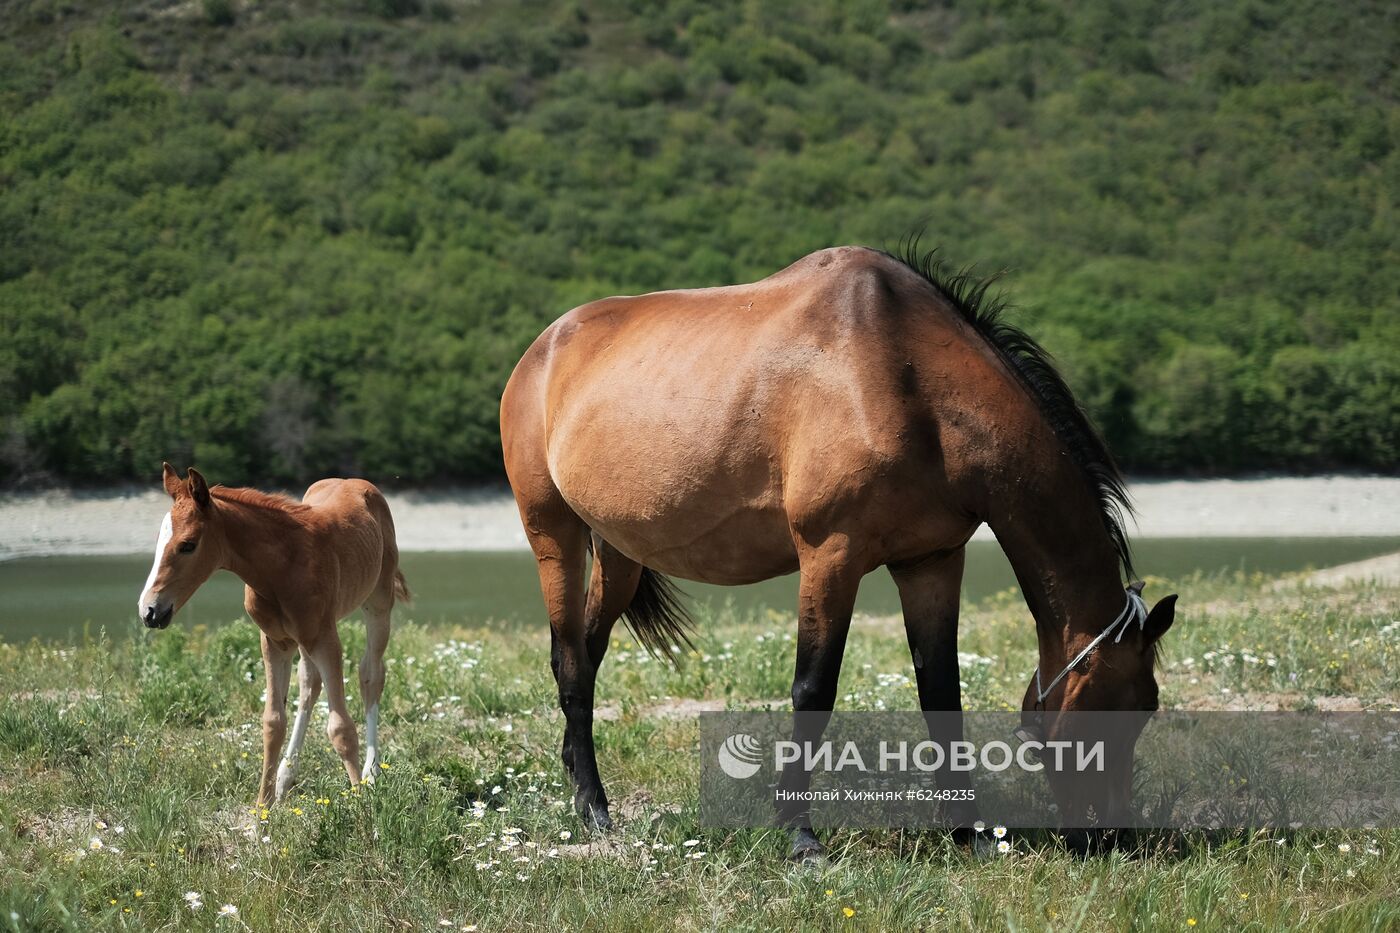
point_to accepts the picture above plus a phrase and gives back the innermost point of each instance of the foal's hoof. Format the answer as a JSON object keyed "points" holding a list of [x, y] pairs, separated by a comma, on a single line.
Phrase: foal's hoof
{"points": [[286, 780]]}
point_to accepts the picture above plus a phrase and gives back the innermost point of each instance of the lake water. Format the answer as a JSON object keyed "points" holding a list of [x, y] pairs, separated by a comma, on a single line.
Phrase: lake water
{"points": [[59, 597]]}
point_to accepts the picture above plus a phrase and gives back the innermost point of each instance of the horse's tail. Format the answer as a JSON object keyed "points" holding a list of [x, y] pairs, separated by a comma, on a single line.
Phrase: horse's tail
{"points": [[658, 619], [401, 591]]}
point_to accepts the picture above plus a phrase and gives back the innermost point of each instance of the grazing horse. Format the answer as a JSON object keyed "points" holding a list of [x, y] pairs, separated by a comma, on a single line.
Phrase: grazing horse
{"points": [[305, 565], [853, 411]]}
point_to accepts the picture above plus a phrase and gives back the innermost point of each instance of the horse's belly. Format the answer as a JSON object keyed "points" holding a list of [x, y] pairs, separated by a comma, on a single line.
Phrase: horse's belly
{"points": [[724, 526], [743, 547]]}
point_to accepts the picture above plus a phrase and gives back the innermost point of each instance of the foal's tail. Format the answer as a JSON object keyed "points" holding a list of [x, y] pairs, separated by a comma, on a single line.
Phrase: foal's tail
{"points": [[401, 591], [658, 619]]}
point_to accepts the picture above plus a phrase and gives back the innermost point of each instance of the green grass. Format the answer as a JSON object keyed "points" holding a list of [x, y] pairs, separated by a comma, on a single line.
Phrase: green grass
{"points": [[150, 746]]}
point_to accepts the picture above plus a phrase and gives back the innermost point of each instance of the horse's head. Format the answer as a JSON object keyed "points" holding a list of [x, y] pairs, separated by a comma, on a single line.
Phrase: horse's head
{"points": [[1112, 673], [187, 553]]}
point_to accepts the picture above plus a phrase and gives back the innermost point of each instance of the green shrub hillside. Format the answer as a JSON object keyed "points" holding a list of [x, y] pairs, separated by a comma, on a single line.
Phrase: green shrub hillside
{"points": [[285, 240]]}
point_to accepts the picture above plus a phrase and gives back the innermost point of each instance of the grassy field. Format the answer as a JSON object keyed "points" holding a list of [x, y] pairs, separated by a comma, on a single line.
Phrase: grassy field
{"points": [[128, 766]]}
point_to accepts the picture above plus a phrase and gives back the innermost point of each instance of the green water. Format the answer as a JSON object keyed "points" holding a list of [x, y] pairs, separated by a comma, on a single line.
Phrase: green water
{"points": [[59, 597]]}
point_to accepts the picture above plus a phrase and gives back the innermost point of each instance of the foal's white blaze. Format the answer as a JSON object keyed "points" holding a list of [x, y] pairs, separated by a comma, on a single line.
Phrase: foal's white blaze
{"points": [[166, 531]]}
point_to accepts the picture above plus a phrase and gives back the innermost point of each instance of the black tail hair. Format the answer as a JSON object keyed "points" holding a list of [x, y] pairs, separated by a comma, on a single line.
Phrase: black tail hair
{"points": [[657, 617]]}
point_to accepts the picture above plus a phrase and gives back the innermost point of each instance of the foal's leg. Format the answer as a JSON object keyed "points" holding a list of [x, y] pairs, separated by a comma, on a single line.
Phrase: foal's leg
{"points": [[372, 678], [308, 690], [610, 590], [277, 662], [929, 592], [826, 598], [328, 656]]}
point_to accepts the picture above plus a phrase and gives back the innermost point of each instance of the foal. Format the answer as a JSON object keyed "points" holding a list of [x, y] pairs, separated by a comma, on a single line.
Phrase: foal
{"points": [[305, 566]]}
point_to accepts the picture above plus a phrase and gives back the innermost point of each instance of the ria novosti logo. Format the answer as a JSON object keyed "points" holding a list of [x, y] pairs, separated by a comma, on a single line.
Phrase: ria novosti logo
{"points": [[740, 755]]}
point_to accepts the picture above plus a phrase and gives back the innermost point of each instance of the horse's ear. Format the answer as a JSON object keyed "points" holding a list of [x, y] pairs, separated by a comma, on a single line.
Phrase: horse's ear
{"points": [[173, 484], [199, 489], [1160, 619]]}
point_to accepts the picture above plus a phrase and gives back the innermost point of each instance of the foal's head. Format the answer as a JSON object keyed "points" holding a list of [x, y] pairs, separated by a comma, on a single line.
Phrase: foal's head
{"points": [[1116, 676], [187, 551]]}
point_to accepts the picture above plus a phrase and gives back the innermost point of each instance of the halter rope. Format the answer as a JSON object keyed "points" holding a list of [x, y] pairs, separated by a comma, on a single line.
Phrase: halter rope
{"points": [[1134, 611]]}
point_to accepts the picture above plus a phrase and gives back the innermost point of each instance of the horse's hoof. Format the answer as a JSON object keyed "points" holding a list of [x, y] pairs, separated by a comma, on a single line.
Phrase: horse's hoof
{"points": [[1084, 843], [983, 847], [807, 850], [599, 819]]}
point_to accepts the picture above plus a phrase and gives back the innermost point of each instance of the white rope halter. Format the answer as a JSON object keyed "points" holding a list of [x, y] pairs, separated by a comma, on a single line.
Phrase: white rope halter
{"points": [[1134, 611]]}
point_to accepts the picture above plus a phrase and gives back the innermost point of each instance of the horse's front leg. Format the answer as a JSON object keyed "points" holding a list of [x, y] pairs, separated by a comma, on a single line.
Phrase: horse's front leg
{"points": [[929, 592], [277, 662], [826, 598]]}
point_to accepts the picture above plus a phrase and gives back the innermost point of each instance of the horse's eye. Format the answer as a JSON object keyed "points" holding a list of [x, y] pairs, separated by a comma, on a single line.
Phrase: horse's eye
{"points": [[187, 547]]}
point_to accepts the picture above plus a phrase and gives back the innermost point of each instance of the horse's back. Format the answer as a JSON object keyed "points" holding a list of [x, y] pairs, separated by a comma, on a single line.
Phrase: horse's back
{"points": [[744, 412]]}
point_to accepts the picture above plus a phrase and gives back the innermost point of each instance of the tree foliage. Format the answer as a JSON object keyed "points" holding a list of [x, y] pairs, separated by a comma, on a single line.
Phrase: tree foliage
{"points": [[284, 241]]}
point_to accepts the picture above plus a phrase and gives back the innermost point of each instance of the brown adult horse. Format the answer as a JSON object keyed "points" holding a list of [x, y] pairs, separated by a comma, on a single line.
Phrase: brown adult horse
{"points": [[852, 411], [305, 565]]}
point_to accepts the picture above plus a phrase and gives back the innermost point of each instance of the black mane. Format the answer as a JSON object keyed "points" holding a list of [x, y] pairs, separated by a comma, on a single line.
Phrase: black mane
{"points": [[1029, 360]]}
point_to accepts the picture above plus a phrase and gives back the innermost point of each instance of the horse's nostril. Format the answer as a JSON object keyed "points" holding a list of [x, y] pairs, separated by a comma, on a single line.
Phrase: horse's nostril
{"points": [[155, 617]]}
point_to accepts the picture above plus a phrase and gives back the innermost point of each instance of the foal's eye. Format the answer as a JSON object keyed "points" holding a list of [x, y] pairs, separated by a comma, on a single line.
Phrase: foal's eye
{"points": [[187, 547]]}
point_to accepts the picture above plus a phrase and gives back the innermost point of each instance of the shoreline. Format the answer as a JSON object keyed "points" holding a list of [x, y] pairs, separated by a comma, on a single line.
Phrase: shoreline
{"points": [[125, 521]]}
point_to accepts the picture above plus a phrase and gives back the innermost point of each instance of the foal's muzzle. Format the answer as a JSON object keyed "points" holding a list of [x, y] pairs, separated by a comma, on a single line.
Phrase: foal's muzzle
{"points": [[158, 618]]}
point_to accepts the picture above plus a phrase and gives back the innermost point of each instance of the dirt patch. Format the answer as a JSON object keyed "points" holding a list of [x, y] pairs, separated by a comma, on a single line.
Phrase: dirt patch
{"points": [[640, 807], [686, 708], [1245, 702], [1285, 702], [598, 848], [51, 829]]}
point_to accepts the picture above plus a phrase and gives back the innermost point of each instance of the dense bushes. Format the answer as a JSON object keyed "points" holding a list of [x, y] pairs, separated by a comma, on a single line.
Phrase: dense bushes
{"points": [[287, 244]]}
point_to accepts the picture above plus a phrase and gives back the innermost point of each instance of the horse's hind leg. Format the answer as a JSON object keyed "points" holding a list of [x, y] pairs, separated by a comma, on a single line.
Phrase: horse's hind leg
{"points": [[611, 587], [377, 613], [929, 592], [559, 539], [329, 657], [309, 689]]}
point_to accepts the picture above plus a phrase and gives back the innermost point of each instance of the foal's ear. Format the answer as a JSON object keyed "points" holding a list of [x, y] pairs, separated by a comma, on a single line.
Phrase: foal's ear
{"points": [[199, 489], [1160, 619], [173, 484]]}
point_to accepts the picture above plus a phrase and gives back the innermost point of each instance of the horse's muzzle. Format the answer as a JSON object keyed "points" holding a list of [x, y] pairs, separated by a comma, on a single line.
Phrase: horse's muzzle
{"points": [[158, 618]]}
